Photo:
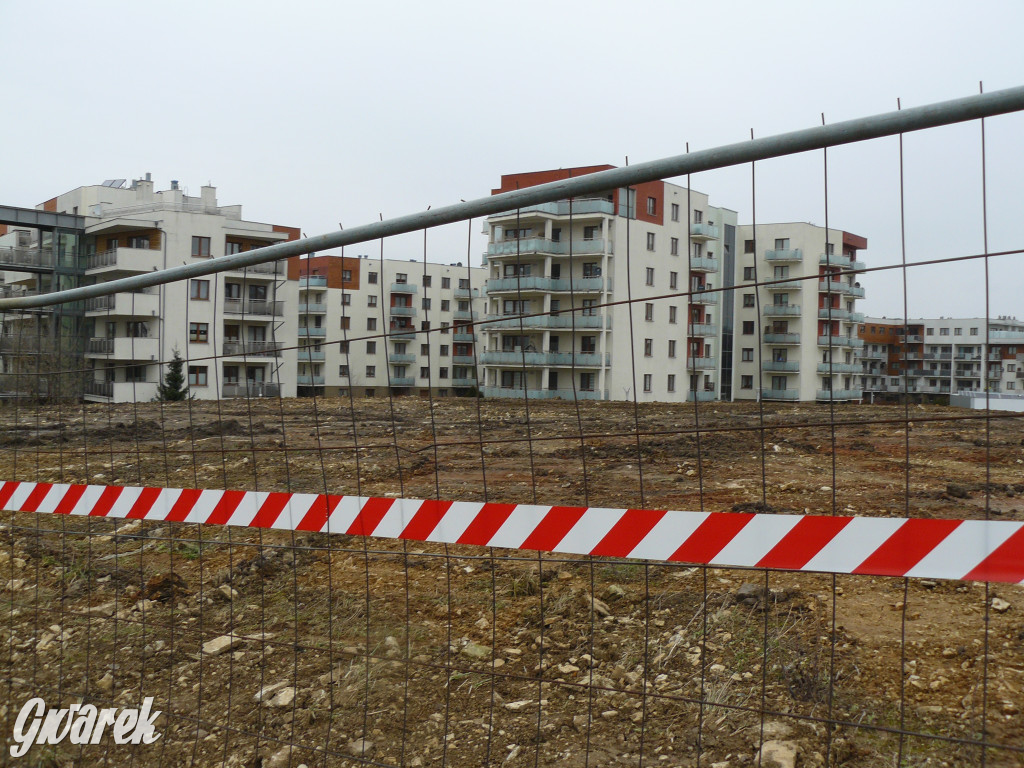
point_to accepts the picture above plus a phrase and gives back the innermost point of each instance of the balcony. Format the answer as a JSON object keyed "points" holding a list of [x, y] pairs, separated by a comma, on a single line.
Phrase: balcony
{"points": [[307, 308], [556, 359], [32, 259], [701, 363], [312, 281], [270, 269], [401, 334], [306, 332], [781, 366], [995, 372], [125, 260], [526, 283], [780, 394], [255, 307], [840, 260], [466, 293], [403, 288], [541, 245], [235, 348], [840, 394], [792, 255], [840, 368], [545, 394], [403, 381], [463, 337], [310, 354], [145, 303], [833, 286], [562, 320], [840, 341], [782, 310], [401, 357], [305, 380], [701, 395], [561, 208], [703, 297], [788, 285], [250, 389], [463, 382], [703, 329], [702, 231], [781, 338], [463, 360], [402, 311], [840, 314], [703, 264], [124, 347], [464, 314]]}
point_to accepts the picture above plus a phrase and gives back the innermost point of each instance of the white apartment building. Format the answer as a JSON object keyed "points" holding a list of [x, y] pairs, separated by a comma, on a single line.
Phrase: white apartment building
{"points": [[368, 327], [942, 356], [229, 327], [560, 275], [796, 320]]}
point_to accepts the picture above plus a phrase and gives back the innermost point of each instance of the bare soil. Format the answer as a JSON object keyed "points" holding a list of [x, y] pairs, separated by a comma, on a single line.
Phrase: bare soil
{"points": [[275, 649]]}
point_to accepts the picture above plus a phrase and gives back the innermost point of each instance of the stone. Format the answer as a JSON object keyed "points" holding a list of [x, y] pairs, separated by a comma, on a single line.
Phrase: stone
{"points": [[778, 754], [614, 592], [279, 759], [283, 698], [219, 645], [958, 491], [106, 609], [999, 605], [475, 651], [106, 683], [266, 690], [359, 747], [227, 591], [600, 607]]}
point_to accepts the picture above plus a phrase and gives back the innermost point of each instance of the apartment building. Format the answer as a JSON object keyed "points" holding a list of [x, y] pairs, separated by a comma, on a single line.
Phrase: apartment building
{"points": [[796, 324], [230, 328], [368, 327], [560, 277], [938, 357]]}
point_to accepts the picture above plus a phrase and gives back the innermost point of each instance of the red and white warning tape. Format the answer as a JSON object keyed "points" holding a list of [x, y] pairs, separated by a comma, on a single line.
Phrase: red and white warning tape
{"points": [[973, 550]]}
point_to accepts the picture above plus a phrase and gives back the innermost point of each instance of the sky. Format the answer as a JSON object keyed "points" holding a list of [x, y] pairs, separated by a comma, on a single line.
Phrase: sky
{"points": [[312, 114]]}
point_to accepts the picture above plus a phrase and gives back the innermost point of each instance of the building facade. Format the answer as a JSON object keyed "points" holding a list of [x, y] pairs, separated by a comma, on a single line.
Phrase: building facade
{"points": [[607, 297], [939, 357], [367, 327], [795, 314]]}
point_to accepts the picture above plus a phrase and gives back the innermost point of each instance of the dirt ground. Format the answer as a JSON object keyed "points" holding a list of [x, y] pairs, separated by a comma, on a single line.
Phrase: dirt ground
{"points": [[274, 649]]}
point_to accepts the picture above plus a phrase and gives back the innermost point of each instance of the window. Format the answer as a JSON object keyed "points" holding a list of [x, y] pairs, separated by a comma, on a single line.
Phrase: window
{"points": [[780, 272], [648, 347], [424, 349], [343, 347], [674, 246], [197, 375], [199, 333], [556, 234], [929, 331], [673, 280], [671, 347], [200, 249], [649, 279], [747, 355], [464, 283], [746, 382], [346, 299], [748, 273], [346, 275], [588, 344], [943, 331], [371, 323], [424, 325], [958, 331], [512, 379], [371, 300], [371, 347], [445, 305], [748, 327], [371, 278], [556, 305], [424, 372], [444, 328], [446, 282], [650, 241], [591, 233], [649, 312], [425, 303], [589, 306], [442, 373], [652, 206], [401, 277], [782, 244], [444, 350], [748, 299], [426, 281], [346, 323], [830, 249], [587, 382], [647, 382], [672, 313], [591, 269], [698, 216], [138, 241], [199, 290], [671, 382], [463, 306], [136, 330], [974, 331], [371, 371], [675, 212], [748, 246], [369, 392], [343, 371]]}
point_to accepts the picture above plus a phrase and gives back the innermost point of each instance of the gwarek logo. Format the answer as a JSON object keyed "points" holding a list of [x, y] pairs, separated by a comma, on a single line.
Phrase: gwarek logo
{"points": [[82, 724]]}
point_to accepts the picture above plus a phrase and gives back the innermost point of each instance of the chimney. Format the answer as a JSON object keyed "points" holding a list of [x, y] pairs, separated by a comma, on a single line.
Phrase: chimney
{"points": [[174, 184], [149, 176], [209, 196]]}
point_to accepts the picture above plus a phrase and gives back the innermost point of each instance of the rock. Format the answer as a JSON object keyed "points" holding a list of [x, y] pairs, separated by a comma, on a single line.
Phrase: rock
{"points": [[266, 690], [283, 698], [778, 754], [279, 759], [749, 594], [513, 753], [475, 651], [580, 721], [958, 491], [106, 609], [999, 605], [218, 645], [598, 606], [359, 747], [165, 587], [106, 683], [519, 706], [614, 592], [774, 730], [228, 593]]}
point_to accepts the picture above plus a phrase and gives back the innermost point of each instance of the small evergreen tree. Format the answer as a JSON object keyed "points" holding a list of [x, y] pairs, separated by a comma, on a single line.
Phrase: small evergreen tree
{"points": [[174, 386]]}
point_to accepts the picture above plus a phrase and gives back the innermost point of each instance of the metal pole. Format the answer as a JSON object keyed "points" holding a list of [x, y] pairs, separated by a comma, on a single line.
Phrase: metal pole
{"points": [[847, 132]]}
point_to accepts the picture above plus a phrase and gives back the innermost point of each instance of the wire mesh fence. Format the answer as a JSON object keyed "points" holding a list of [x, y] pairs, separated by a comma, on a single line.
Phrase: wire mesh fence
{"points": [[536, 604]]}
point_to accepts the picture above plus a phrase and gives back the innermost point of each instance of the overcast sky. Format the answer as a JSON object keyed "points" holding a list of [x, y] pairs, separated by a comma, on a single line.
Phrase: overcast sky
{"points": [[315, 113]]}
